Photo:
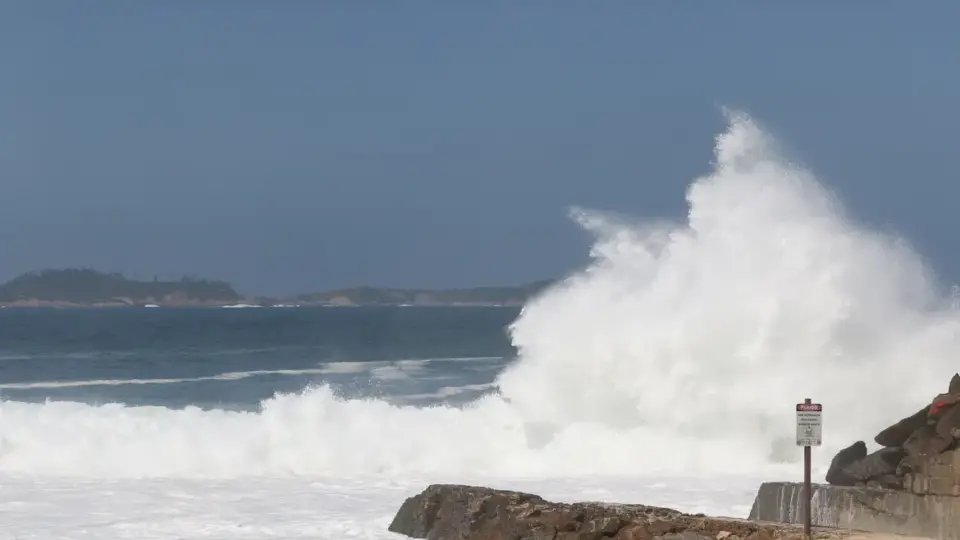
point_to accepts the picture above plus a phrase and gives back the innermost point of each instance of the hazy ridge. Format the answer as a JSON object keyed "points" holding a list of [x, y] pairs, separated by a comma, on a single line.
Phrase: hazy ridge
{"points": [[83, 287]]}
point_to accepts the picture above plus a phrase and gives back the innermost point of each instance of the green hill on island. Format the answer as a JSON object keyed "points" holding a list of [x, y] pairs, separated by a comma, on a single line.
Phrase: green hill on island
{"points": [[89, 287]]}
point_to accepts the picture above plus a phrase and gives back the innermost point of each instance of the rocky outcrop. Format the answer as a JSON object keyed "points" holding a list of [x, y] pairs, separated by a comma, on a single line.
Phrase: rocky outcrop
{"points": [[837, 473], [898, 433], [453, 512], [920, 453]]}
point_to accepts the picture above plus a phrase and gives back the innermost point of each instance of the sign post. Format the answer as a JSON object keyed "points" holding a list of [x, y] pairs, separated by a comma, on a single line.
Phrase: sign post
{"points": [[809, 433]]}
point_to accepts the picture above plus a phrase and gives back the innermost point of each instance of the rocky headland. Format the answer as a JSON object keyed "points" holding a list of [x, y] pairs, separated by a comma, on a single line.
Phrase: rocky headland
{"points": [[80, 287], [455, 512], [918, 454]]}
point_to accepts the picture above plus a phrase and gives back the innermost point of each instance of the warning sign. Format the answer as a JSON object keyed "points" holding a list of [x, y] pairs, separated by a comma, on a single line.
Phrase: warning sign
{"points": [[809, 424]]}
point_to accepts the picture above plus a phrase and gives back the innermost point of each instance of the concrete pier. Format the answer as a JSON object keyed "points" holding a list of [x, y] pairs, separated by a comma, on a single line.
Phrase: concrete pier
{"points": [[871, 510]]}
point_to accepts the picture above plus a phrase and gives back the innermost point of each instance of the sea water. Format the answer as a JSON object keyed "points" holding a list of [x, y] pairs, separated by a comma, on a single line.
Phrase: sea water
{"points": [[665, 372]]}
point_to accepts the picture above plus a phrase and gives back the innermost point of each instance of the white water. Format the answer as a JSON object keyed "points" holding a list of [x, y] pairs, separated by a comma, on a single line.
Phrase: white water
{"points": [[679, 353]]}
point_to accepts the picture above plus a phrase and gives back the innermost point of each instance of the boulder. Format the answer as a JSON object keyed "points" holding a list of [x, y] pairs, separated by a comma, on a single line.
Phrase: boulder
{"points": [[898, 433], [914, 449], [941, 404], [880, 463], [454, 512], [949, 423], [954, 387], [925, 443], [849, 455]]}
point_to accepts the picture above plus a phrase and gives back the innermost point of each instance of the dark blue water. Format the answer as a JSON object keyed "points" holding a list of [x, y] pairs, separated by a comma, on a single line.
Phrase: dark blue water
{"points": [[233, 358]]}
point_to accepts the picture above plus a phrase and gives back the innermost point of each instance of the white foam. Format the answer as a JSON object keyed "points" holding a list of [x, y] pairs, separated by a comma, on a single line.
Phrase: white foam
{"points": [[681, 349], [468, 359], [400, 369], [450, 391], [712, 329], [334, 368], [404, 369], [293, 508]]}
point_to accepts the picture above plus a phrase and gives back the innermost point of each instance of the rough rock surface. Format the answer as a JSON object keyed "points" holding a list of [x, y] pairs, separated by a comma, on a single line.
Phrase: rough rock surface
{"points": [[875, 465], [949, 424], [925, 443], [836, 474], [881, 511], [898, 433], [921, 452], [453, 512], [954, 387]]}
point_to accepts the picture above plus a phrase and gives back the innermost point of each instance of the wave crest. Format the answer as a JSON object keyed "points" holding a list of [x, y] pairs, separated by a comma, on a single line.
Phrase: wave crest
{"points": [[681, 348]]}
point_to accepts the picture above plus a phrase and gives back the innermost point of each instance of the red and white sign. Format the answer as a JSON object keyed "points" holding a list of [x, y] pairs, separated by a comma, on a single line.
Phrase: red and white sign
{"points": [[809, 424]]}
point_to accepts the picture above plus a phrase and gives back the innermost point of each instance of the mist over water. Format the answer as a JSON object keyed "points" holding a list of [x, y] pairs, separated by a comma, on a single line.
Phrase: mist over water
{"points": [[682, 348]]}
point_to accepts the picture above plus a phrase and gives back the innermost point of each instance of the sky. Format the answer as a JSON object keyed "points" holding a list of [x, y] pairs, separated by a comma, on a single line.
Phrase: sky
{"points": [[293, 146]]}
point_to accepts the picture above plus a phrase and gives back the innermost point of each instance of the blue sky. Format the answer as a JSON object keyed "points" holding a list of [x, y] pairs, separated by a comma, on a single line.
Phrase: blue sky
{"points": [[293, 146]]}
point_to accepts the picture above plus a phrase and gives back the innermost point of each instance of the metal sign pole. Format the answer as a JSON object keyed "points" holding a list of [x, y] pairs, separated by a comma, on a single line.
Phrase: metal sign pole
{"points": [[809, 434], [807, 496]]}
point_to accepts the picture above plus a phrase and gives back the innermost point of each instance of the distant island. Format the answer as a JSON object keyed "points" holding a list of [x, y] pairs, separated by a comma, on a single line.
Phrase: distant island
{"points": [[83, 287], [475, 296]]}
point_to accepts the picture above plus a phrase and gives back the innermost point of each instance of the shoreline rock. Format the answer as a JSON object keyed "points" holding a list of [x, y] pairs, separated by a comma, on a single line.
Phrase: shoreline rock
{"points": [[920, 454], [458, 512]]}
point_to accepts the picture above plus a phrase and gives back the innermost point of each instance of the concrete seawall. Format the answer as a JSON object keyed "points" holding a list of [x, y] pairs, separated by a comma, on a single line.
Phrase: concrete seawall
{"points": [[872, 510]]}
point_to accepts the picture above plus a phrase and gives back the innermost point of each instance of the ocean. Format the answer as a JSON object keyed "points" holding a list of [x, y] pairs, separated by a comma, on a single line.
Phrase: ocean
{"points": [[666, 372]]}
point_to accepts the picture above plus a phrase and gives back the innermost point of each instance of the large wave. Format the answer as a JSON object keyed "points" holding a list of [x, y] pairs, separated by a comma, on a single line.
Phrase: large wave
{"points": [[681, 348]]}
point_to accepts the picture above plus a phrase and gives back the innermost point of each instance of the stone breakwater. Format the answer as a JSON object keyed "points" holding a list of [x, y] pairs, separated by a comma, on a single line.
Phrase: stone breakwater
{"points": [[911, 485], [919, 453], [454, 512], [861, 508]]}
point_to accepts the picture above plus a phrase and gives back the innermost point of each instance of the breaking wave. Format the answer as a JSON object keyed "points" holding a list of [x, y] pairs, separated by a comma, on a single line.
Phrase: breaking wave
{"points": [[681, 348]]}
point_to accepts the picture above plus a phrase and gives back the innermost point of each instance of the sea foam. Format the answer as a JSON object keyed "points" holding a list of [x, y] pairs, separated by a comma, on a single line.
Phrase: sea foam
{"points": [[681, 348]]}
